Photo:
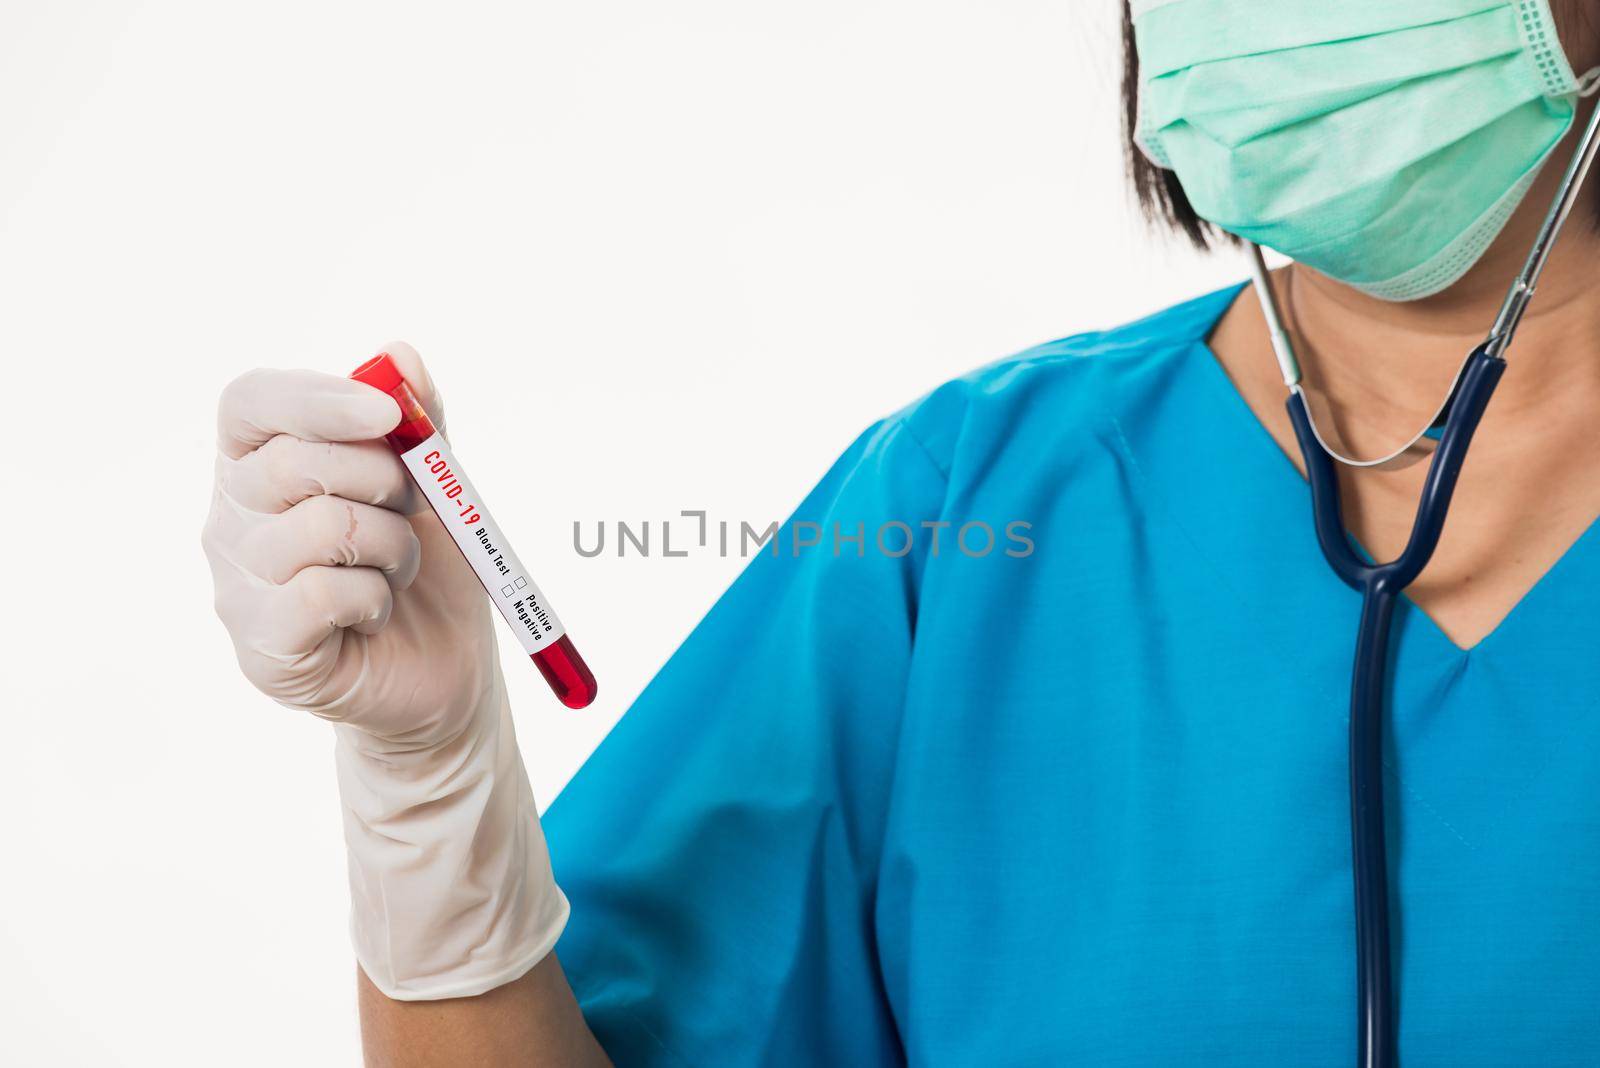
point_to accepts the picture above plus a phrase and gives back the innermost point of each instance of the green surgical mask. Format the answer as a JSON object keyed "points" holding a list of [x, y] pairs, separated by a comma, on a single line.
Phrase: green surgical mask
{"points": [[1382, 142]]}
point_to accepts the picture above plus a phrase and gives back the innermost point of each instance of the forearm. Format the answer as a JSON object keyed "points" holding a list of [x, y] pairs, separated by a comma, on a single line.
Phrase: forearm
{"points": [[452, 893], [453, 898], [529, 1023], [455, 909]]}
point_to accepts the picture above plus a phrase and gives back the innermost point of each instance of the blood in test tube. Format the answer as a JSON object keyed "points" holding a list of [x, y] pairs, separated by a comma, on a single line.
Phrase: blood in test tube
{"points": [[438, 474]]}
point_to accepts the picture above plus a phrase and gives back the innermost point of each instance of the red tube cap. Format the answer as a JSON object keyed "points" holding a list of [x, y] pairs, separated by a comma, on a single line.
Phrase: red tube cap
{"points": [[381, 372]]}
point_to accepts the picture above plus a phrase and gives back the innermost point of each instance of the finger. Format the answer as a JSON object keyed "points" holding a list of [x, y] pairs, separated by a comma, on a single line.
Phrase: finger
{"points": [[323, 599], [286, 470], [331, 532], [416, 375], [258, 406]]}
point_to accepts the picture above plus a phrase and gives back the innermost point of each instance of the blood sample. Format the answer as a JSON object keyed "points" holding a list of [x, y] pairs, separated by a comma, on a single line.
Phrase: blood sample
{"points": [[437, 473]]}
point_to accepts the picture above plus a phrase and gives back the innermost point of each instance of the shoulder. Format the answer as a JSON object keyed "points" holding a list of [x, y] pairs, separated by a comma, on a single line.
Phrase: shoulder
{"points": [[1059, 391]]}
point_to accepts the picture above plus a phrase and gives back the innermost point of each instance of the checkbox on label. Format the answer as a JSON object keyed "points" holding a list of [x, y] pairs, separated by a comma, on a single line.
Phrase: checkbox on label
{"points": [[521, 582], [506, 590]]}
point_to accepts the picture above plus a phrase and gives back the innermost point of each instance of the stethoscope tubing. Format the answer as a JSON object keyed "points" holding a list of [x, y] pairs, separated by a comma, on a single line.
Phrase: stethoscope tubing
{"points": [[1381, 586]]}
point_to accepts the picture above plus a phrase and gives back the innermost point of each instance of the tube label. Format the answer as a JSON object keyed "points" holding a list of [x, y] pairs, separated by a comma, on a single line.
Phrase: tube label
{"points": [[462, 511]]}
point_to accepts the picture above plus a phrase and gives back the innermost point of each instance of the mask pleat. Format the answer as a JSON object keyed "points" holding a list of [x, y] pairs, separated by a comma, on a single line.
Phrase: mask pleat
{"points": [[1379, 200], [1181, 34], [1356, 146], [1229, 100], [1404, 210]]}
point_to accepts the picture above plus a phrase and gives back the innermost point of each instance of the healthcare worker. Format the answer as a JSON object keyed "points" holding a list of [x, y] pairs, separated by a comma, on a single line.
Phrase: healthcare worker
{"points": [[1084, 804]]}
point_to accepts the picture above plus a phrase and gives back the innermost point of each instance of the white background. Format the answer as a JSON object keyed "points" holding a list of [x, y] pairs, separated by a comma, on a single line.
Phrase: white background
{"points": [[709, 241]]}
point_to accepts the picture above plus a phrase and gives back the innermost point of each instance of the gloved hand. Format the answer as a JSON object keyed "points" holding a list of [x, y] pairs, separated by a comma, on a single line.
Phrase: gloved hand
{"points": [[346, 598]]}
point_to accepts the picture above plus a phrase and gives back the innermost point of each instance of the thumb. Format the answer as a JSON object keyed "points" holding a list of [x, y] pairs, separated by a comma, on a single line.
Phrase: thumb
{"points": [[416, 375]]}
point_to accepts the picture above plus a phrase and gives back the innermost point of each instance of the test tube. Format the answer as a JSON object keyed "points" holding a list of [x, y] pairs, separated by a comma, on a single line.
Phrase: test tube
{"points": [[444, 484]]}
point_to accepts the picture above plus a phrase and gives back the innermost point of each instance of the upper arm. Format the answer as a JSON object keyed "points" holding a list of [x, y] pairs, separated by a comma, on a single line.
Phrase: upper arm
{"points": [[720, 849]]}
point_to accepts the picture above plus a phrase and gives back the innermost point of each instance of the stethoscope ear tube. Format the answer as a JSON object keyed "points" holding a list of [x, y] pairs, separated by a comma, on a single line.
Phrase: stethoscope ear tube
{"points": [[1381, 586]]}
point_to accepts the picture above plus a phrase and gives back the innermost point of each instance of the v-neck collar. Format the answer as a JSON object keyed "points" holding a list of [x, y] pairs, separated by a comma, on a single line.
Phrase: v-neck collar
{"points": [[1230, 510], [1241, 497]]}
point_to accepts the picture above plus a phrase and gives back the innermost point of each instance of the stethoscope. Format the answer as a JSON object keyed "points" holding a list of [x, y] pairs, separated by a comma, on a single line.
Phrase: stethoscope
{"points": [[1381, 585]]}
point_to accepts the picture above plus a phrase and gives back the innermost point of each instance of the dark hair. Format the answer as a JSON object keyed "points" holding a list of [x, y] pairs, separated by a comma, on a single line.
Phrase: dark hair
{"points": [[1161, 197]]}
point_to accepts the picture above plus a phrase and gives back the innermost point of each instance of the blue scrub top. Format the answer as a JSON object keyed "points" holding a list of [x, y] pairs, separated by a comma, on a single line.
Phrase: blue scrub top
{"points": [[1088, 805]]}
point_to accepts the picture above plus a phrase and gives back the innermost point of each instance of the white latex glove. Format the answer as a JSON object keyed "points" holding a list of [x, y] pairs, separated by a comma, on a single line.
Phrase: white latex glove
{"points": [[346, 598]]}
